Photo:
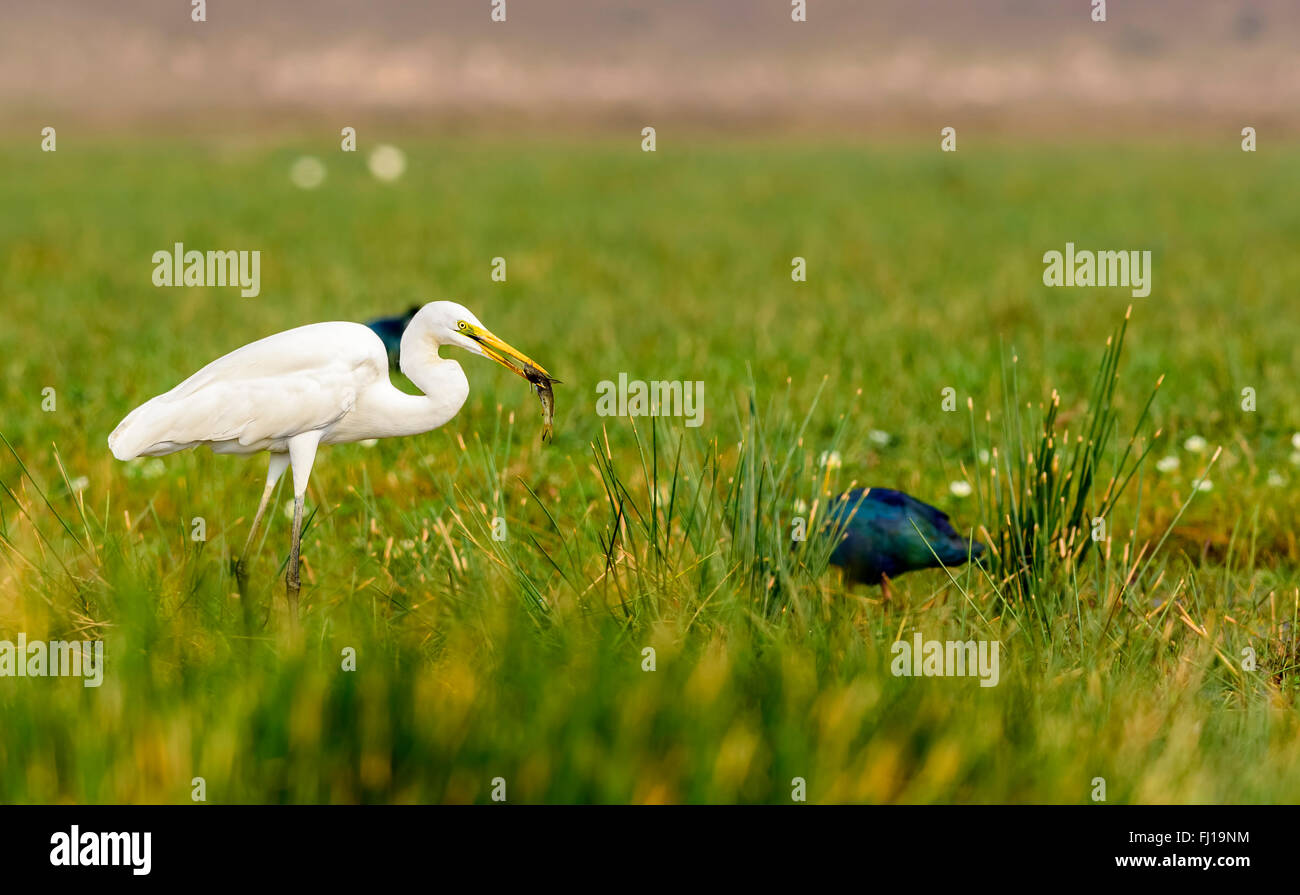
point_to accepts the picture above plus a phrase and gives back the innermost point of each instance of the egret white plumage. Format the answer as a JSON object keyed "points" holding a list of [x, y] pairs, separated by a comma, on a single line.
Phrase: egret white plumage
{"points": [[325, 383]]}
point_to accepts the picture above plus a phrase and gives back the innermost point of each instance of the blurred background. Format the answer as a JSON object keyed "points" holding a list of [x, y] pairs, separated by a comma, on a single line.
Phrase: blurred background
{"points": [[1020, 66]]}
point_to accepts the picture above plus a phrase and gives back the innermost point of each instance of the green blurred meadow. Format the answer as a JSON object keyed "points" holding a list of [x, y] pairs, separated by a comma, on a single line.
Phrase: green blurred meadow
{"points": [[523, 659]]}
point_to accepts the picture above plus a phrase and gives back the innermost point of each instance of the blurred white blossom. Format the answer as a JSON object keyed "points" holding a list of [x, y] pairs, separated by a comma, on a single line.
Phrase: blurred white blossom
{"points": [[307, 173], [387, 163], [831, 460]]}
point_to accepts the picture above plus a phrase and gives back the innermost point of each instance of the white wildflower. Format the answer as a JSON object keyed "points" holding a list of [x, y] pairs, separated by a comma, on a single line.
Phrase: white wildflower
{"points": [[307, 173], [831, 459], [387, 163]]}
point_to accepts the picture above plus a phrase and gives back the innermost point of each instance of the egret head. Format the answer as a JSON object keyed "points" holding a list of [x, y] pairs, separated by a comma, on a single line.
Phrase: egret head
{"points": [[449, 323]]}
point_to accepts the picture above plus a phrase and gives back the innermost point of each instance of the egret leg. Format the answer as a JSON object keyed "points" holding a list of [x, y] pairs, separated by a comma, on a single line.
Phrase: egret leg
{"points": [[885, 593], [302, 453], [291, 583], [279, 463]]}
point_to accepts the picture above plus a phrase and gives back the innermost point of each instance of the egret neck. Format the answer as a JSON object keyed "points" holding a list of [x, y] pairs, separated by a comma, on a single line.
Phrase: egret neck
{"points": [[393, 412]]}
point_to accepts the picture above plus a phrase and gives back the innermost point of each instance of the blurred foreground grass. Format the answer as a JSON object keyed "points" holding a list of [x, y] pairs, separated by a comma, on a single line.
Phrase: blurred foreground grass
{"points": [[523, 659]]}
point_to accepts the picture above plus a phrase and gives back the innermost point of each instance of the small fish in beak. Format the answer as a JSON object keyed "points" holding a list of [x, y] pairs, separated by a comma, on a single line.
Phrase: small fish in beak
{"points": [[542, 383], [521, 365]]}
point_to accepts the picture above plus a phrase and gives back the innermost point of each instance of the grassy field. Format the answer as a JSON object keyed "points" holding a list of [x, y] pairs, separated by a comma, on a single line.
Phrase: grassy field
{"points": [[523, 659]]}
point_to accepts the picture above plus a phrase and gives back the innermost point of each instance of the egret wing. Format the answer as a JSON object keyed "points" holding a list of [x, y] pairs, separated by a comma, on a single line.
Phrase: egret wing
{"points": [[259, 395]]}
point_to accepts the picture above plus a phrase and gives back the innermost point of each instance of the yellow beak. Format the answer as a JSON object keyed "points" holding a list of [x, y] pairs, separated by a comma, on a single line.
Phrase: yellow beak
{"points": [[506, 355]]}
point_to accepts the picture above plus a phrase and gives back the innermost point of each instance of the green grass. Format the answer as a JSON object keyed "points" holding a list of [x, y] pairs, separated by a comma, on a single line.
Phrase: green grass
{"points": [[523, 659]]}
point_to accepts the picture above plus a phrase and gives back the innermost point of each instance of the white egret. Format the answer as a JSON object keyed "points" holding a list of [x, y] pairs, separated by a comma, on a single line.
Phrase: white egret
{"points": [[325, 383]]}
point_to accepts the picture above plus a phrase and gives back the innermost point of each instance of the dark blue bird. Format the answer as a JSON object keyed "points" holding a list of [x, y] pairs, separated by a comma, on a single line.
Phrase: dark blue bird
{"points": [[880, 541], [390, 329]]}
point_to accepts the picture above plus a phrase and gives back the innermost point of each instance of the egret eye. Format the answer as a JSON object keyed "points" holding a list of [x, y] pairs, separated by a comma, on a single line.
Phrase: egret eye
{"points": [[462, 326]]}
